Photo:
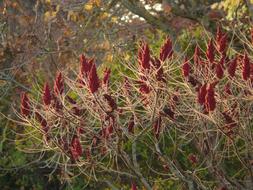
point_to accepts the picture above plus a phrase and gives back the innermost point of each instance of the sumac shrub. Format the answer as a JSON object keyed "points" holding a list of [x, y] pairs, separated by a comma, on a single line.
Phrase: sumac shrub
{"points": [[183, 119]]}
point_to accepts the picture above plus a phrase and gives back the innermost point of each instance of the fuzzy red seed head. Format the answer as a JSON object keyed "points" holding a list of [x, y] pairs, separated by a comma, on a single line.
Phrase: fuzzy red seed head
{"points": [[85, 65], [246, 67], [166, 50], [219, 34], [219, 71], [222, 44], [221, 40], [144, 56], [210, 52], [202, 94], [46, 94], [186, 68], [25, 105], [93, 79], [232, 67], [210, 101], [59, 84], [76, 148]]}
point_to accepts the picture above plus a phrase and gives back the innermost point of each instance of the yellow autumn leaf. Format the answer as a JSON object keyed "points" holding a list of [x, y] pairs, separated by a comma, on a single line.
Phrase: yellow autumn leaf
{"points": [[88, 6], [68, 32], [58, 8], [73, 16], [109, 57], [104, 15], [97, 2], [127, 57], [114, 19], [49, 15]]}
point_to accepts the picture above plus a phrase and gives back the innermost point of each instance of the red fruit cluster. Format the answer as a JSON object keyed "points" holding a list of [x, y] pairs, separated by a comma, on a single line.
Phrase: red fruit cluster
{"points": [[210, 101], [152, 65], [59, 84], [85, 65], [144, 56], [219, 68], [93, 80], [232, 67], [166, 50], [88, 74], [76, 148], [210, 52], [206, 97], [202, 94], [186, 68], [25, 105], [221, 41], [46, 94]]}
